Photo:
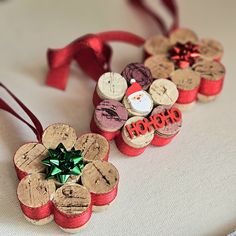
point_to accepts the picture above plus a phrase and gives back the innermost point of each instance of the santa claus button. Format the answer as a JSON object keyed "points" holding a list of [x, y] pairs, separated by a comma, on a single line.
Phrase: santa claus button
{"points": [[110, 85], [164, 92], [137, 101]]}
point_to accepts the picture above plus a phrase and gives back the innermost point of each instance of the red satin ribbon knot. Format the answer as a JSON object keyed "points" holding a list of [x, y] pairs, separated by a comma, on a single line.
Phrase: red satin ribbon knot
{"points": [[91, 52]]}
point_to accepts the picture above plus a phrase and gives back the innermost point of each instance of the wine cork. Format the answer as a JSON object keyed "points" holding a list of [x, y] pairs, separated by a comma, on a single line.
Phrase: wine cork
{"points": [[185, 79], [169, 129], [213, 72], [160, 66], [163, 92], [59, 133], [28, 159], [71, 201], [210, 49], [137, 141], [34, 192], [110, 115], [157, 45], [210, 70], [93, 147], [140, 73], [132, 112], [101, 179], [183, 35], [111, 85]]}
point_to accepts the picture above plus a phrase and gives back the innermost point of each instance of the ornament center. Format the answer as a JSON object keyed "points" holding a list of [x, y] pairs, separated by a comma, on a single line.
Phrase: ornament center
{"points": [[183, 55]]}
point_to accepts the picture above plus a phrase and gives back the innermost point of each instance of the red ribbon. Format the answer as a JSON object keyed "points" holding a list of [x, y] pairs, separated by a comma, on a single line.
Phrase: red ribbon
{"points": [[37, 128], [170, 5], [91, 52]]}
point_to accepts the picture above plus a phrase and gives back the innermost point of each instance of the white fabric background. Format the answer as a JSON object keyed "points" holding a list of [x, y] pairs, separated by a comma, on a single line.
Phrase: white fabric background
{"points": [[187, 188]]}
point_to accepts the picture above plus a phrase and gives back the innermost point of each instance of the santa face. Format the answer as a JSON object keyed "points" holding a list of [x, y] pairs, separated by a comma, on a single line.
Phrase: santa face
{"points": [[140, 102]]}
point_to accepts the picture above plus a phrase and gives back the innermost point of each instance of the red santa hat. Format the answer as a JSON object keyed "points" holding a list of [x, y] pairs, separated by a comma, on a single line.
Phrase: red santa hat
{"points": [[135, 87]]}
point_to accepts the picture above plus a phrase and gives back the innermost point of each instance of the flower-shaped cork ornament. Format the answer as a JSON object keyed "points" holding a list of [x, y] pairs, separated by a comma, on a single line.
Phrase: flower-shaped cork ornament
{"points": [[65, 177], [135, 109], [192, 64], [62, 176]]}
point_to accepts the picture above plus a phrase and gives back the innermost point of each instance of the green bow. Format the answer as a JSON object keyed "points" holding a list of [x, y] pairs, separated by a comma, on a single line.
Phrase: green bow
{"points": [[62, 163]]}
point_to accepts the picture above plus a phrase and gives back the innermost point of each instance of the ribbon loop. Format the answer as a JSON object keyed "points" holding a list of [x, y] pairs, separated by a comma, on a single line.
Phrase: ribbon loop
{"points": [[91, 52], [37, 128]]}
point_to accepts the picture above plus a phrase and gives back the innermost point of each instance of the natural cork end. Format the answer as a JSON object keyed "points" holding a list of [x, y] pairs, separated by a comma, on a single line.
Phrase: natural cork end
{"points": [[59, 133], [100, 177]]}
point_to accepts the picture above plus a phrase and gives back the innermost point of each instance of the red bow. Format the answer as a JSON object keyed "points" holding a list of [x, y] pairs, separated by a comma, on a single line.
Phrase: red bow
{"points": [[91, 52]]}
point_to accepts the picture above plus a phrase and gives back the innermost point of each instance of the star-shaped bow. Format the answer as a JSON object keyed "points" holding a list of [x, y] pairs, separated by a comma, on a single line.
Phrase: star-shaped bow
{"points": [[62, 163], [184, 55]]}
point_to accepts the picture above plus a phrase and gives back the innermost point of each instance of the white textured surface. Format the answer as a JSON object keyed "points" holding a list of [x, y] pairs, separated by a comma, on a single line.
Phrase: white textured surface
{"points": [[187, 188]]}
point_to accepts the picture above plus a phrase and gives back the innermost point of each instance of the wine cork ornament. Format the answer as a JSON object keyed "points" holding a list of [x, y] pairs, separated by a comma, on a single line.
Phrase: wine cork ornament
{"points": [[93, 147], [56, 154], [210, 49], [160, 66], [212, 75], [163, 92], [109, 117], [172, 125], [140, 73], [72, 207], [35, 194], [187, 82], [134, 139], [27, 159], [110, 85], [137, 101], [101, 179], [157, 45]]}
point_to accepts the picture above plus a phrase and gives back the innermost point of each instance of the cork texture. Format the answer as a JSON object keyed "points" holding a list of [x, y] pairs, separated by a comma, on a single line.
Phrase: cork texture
{"points": [[111, 85], [160, 66], [171, 128], [186, 79], [93, 146], [35, 191], [163, 92], [131, 112], [100, 177], [182, 35], [137, 141], [72, 199], [29, 156], [210, 70], [210, 49], [110, 115], [59, 133], [157, 45]]}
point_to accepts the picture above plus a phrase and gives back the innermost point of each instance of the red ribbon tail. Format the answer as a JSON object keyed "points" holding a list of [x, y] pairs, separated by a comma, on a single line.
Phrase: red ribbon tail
{"points": [[58, 77]]}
